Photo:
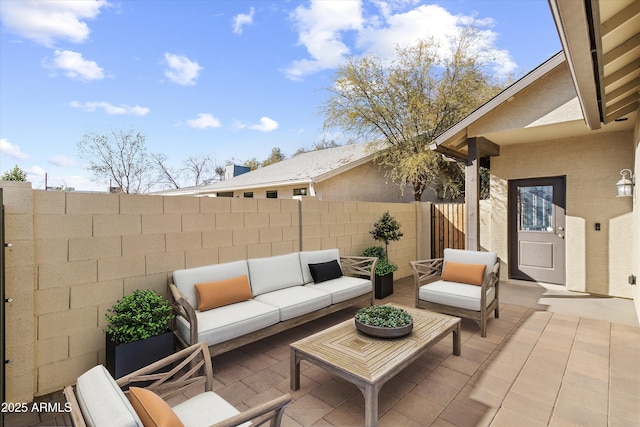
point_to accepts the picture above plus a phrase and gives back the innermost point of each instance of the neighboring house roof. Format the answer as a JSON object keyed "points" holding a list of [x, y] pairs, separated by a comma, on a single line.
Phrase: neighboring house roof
{"points": [[306, 168]]}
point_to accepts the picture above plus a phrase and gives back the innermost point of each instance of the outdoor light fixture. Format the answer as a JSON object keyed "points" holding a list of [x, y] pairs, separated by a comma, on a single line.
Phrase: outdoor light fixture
{"points": [[626, 183]]}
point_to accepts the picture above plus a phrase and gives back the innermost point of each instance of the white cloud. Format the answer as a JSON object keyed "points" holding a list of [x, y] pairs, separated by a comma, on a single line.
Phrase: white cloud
{"points": [[266, 125], [60, 160], [110, 108], [181, 69], [323, 25], [204, 121], [75, 66], [321, 28], [11, 150], [45, 21], [241, 20]]}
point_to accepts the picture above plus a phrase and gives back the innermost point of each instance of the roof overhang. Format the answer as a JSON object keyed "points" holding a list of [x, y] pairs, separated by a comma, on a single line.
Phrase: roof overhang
{"points": [[601, 40]]}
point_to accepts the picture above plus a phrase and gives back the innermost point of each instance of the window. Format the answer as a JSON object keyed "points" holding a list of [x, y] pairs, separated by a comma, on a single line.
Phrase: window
{"points": [[272, 194], [248, 194], [299, 191]]}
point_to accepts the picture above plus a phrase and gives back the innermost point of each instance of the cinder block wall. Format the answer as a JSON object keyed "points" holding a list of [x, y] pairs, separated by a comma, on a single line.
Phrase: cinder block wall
{"points": [[75, 254]]}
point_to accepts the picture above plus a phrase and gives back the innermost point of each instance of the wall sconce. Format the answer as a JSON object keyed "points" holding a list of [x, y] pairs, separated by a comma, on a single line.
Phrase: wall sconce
{"points": [[626, 183]]}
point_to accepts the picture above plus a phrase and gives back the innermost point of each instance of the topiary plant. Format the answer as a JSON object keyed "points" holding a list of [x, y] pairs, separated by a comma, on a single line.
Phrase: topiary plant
{"points": [[386, 229], [139, 315], [383, 316], [383, 266]]}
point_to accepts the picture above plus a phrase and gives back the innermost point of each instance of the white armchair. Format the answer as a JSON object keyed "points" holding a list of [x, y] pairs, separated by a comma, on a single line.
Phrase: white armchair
{"points": [[469, 288]]}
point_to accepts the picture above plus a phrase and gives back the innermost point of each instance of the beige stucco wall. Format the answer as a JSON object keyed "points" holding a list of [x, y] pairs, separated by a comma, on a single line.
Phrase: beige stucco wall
{"points": [[75, 254], [596, 261], [636, 218]]}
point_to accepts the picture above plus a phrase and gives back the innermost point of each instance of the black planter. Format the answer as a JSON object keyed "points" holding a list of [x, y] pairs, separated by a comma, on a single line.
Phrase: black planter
{"points": [[122, 359], [383, 286]]}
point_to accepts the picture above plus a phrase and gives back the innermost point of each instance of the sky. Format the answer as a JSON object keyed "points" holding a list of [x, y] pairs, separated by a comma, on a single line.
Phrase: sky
{"points": [[232, 79]]}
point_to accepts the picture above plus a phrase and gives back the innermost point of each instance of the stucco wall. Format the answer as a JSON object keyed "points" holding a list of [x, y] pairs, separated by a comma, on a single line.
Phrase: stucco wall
{"points": [[75, 254], [636, 218], [596, 261]]}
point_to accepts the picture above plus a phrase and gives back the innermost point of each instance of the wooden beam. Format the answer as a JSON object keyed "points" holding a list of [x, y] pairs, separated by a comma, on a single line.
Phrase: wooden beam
{"points": [[487, 147], [472, 195]]}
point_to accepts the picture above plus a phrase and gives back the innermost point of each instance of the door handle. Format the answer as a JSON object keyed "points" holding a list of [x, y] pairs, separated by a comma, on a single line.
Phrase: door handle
{"points": [[561, 236], [561, 228]]}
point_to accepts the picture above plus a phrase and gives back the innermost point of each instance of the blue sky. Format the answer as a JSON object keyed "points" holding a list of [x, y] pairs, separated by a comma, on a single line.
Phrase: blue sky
{"points": [[230, 78]]}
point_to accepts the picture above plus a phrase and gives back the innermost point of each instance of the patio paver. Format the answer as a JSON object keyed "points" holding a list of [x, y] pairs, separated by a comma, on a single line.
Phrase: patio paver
{"points": [[534, 368]]}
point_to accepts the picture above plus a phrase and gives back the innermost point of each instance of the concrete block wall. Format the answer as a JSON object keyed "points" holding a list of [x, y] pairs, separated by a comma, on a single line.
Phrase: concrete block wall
{"points": [[75, 254]]}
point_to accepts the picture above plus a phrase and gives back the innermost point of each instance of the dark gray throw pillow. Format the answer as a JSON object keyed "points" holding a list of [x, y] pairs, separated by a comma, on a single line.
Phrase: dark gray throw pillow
{"points": [[323, 271]]}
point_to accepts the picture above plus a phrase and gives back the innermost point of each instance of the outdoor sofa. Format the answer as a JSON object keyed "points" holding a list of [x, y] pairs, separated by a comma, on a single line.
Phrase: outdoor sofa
{"points": [[232, 304]]}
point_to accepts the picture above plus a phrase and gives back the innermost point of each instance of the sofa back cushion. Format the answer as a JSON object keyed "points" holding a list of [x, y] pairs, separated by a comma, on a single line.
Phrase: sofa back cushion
{"points": [[315, 257], [273, 273], [102, 402], [472, 257], [186, 279]]}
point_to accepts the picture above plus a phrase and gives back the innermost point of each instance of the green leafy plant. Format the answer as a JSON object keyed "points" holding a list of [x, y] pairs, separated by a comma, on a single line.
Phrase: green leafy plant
{"points": [[383, 316], [139, 315], [386, 229], [383, 266]]}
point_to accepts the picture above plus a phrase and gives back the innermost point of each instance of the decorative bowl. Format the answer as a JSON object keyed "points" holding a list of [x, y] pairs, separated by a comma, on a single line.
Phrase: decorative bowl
{"points": [[380, 332]]}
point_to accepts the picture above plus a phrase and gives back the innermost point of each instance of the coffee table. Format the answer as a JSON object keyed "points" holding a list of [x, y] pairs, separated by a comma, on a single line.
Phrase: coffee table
{"points": [[370, 362]]}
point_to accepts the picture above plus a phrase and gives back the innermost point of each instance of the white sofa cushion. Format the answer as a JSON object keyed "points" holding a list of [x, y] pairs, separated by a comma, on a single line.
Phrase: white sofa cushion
{"points": [[343, 288], [230, 321], [204, 410], [314, 257], [455, 294], [472, 257], [274, 273], [296, 301], [102, 402], [185, 279]]}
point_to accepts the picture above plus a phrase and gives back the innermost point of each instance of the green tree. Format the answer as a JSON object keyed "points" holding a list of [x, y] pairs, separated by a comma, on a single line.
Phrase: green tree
{"points": [[119, 157], [386, 229], [275, 157], [15, 174], [408, 102]]}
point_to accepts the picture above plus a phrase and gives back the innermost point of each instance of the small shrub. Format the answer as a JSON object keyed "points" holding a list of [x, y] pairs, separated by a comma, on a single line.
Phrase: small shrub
{"points": [[384, 266], [383, 316], [139, 315]]}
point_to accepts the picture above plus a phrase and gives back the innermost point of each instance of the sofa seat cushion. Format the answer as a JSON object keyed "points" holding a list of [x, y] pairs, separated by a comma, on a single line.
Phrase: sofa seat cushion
{"points": [[102, 402], [296, 301], [204, 410], [455, 294], [343, 288], [315, 257], [186, 279], [230, 321], [274, 273]]}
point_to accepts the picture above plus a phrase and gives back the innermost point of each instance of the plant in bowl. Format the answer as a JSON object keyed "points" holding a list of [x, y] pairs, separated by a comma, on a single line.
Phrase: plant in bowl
{"points": [[384, 321], [137, 331]]}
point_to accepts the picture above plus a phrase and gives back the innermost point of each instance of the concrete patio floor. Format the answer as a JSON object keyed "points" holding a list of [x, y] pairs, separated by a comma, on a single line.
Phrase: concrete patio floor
{"points": [[542, 363]]}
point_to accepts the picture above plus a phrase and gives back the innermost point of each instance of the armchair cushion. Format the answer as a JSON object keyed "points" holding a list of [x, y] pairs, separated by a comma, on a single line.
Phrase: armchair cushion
{"points": [[455, 294], [472, 257], [223, 292], [473, 274], [152, 410], [205, 409], [323, 271]]}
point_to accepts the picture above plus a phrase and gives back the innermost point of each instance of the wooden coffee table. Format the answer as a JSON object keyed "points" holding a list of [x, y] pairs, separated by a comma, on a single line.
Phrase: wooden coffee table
{"points": [[370, 362]]}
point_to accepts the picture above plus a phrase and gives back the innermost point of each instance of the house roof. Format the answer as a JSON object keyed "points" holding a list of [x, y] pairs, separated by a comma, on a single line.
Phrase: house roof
{"points": [[306, 168], [601, 40]]}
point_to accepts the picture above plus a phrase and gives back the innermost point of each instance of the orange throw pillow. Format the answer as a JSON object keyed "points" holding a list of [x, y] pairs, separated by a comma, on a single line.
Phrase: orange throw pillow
{"points": [[472, 274], [152, 410], [223, 292]]}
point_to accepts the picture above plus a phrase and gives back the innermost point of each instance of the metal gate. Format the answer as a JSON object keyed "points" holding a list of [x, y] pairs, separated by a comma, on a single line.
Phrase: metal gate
{"points": [[447, 227]]}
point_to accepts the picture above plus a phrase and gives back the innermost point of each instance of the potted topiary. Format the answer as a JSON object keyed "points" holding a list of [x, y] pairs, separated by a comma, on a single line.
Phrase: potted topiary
{"points": [[137, 332], [384, 321], [384, 271], [386, 229]]}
